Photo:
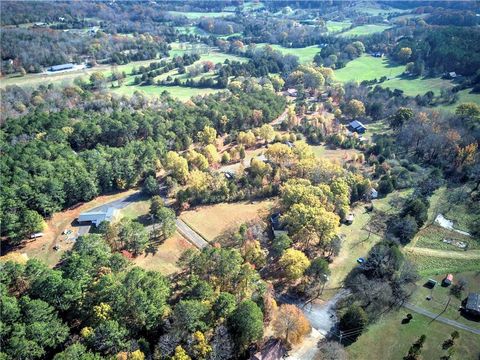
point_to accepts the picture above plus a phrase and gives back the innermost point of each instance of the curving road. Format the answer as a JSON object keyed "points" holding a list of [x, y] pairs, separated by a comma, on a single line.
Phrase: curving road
{"points": [[442, 319]]}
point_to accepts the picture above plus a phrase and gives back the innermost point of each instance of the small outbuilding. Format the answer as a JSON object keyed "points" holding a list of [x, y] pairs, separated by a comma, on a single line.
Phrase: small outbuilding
{"points": [[278, 227], [357, 126], [373, 193], [472, 305], [292, 92], [349, 219], [448, 280]]}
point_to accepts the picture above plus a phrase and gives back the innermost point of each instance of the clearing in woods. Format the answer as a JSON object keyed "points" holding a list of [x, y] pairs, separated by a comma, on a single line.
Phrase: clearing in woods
{"points": [[211, 221]]}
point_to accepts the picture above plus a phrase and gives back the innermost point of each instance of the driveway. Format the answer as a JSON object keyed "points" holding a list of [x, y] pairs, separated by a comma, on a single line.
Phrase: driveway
{"points": [[442, 319]]}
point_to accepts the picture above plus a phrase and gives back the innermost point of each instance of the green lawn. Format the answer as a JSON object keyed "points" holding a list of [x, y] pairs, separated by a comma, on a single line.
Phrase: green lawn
{"points": [[440, 303], [334, 26], [390, 339], [305, 54], [367, 67], [197, 15], [365, 30], [464, 96]]}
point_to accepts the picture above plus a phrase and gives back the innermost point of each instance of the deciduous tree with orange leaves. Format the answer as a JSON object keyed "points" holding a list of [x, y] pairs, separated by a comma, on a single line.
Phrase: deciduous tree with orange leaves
{"points": [[290, 324]]}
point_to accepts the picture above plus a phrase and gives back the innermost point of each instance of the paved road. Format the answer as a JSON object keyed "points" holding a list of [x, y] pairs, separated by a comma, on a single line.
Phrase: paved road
{"points": [[442, 319], [190, 234]]}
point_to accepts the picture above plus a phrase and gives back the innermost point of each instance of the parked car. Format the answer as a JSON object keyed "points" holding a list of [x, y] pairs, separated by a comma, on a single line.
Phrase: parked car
{"points": [[360, 260]]}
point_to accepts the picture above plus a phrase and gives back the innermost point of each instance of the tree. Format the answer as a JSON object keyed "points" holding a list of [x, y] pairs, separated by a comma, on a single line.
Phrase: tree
{"points": [[404, 228], [246, 138], [330, 350], [32, 222], [98, 81], [280, 154], [190, 316], [224, 305], [211, 154], [150, 186], [226, 158], [355, 318], [355, 108], [267, 132], [77, 351], [404, 54], [200, 348], [177, 165], [134, 236], [281, 243], [401, 117], [180, 354], [207, 136], [294, 263], [291, 324], [416, 349], [166, 224], [417, 209], [246, 323]]}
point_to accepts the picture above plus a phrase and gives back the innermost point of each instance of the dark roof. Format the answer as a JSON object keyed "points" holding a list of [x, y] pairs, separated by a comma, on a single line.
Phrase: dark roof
{"points": [[60, 67], [275, 220], [473, 302], [355, 124], [273, 350]]}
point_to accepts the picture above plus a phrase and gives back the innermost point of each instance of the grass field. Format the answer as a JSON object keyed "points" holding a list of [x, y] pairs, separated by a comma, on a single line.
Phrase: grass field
{"points": [[197, 15], [212, 221], [390, 339], [364, 30], [464, 96], [305, 54], [334, 26], [442, 301], [356, 238], [367, 67], [166, 255], [432, 237], [337, 155]]}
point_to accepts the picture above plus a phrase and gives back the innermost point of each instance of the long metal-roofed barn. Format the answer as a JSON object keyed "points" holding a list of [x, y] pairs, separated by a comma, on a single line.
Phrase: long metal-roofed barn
{"points": [[61, 67], [96, 217]]}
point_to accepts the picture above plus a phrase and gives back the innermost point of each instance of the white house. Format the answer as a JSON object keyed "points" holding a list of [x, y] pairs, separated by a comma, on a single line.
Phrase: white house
{"points": [[96, 217]]}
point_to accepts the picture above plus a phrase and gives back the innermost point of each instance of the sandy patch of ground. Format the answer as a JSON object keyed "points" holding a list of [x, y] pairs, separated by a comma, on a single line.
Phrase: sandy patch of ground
{"points": [[42, 248]]}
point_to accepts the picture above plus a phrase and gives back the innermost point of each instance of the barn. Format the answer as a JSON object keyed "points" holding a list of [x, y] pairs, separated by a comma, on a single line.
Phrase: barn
{"points": [[357, 126], [61, 67], [96, 217]]}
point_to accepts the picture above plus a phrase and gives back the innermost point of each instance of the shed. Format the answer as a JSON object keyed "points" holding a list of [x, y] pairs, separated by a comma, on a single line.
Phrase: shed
{"points": [[373, 193], [473, 304], [292, 92], [349, 219], [431, 283], [61, 67], [96, 217], [357, 126], [448, 280]]}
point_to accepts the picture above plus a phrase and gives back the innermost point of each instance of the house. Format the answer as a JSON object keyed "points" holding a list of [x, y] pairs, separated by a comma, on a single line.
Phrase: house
{"points": [[272, 350], [357, 126], [292, 92], [452, 75], [61, 67], [349, 219], [229, 175], [96, 217], [448, 280], [472, 305], [278, 228]]}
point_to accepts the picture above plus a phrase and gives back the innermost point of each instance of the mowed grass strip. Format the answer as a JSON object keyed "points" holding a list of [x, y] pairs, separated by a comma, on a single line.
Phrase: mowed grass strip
{"points": [[389, 339], [365, 30], [211, 221], [305, 54]]}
